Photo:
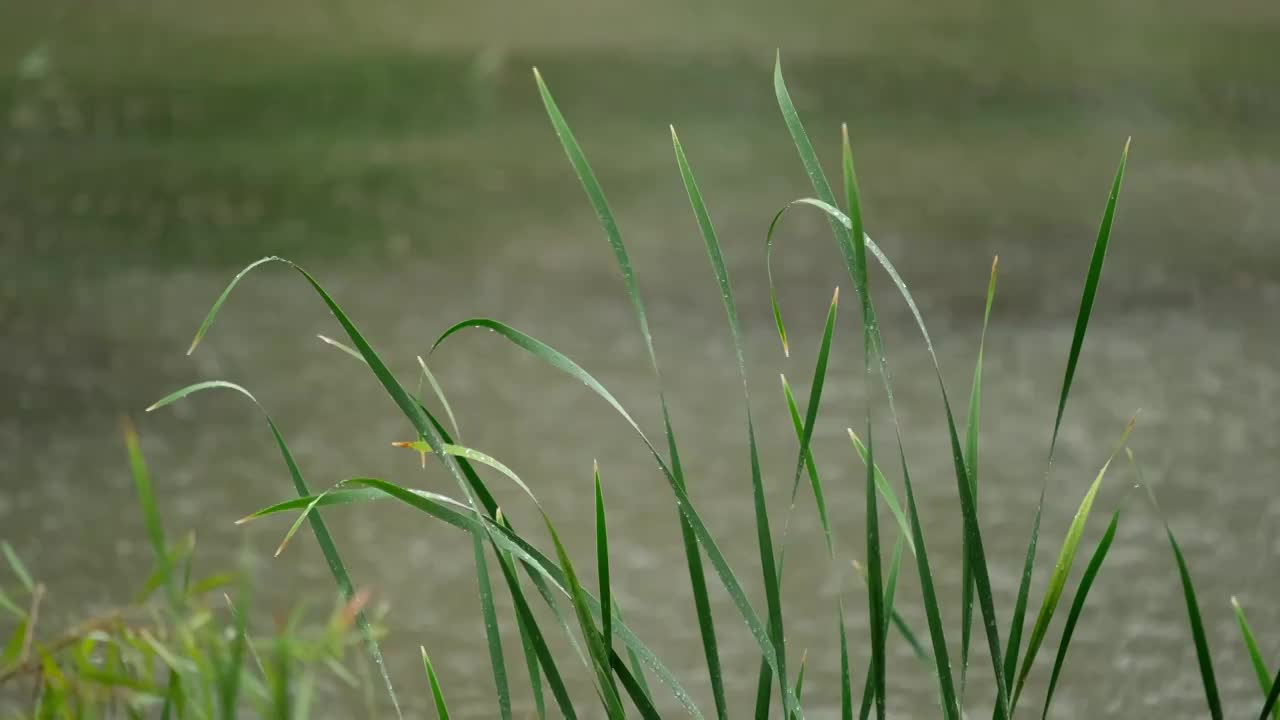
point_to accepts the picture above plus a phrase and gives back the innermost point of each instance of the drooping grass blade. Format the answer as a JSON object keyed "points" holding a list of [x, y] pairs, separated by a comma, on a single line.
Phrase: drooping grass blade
{"points": [[595, 195], [318, 527], [1077, 606], [764, 535], [1062, 568], [1255, 655], [687, 509], [442, 710], [971, 465], [1087, 297]]}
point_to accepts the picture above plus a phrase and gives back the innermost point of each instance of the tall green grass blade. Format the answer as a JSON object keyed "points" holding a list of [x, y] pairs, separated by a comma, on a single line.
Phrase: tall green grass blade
{"points": [[1255, 655], [602, 568], [727, 577], [1203, 656], [637, 670], [971, 465], [600, 204], [19, 570], [875, 589], [764, 534], [846, 681], [1087, 297], [1062, 568], [150, 511], [318, 527], [591, 634], [1077, 606], [442, 709], [492, 634]]}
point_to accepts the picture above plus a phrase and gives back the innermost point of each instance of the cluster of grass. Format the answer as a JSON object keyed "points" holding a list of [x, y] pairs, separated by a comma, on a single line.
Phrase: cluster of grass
{"points": [[183, 648], [619, 662]]}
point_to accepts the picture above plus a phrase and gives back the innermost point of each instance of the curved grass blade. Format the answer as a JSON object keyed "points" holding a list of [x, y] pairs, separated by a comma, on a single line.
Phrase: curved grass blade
{"points": [[687, 509], [318, 527], [1077, 606], [442, 710], [1062, 568], [609, 225], [971, 465], [1203, 656], [1087, 297], [1255, 655]]}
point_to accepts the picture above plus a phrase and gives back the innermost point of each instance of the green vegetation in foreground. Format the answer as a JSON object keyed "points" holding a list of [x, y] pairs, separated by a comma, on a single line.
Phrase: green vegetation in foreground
{"points": [[619, 662], [183, 648]]}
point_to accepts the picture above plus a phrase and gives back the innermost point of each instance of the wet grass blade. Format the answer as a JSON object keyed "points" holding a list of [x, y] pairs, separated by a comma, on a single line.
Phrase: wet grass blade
{"points": [[635, 688], [764, 535], [442, 710], [693, 560], [321, 531], [1269, 706], [971, 465], [1077, 606], [886, 492], [1062, 568], [1087, 297], [875, 589], [602, 568], [492, 634], [1255, 655], [685, 505]]}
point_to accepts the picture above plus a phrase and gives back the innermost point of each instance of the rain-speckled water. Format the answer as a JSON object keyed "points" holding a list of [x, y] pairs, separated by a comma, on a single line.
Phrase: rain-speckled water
{"points": [[401, 155]]}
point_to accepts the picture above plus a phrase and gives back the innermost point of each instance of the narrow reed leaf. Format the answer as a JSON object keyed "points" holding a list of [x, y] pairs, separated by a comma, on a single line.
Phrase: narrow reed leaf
{"points": [[1269, 705], [1087, 297], [602, 567], [1255, 655], [1062, 568], [492, 633], [444, 401], [150, 511], [635, 688], [846, 682], [875, 589], [442, 710], [595, 195], [1077, 606], [886, 492], [971, 466]]}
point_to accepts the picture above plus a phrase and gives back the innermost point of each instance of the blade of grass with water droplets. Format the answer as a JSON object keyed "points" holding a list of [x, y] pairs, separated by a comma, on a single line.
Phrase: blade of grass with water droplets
{"points": [[1062, 568], [1087, 297], [318, 527], [635, 687], [687, 509], [595, 195], [442, 710], [971, 464], [1255, 655], [1077, 606]]}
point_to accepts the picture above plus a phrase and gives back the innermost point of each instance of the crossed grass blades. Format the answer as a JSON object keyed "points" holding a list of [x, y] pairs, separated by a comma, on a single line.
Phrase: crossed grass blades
{"points": [[601, 631]]}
